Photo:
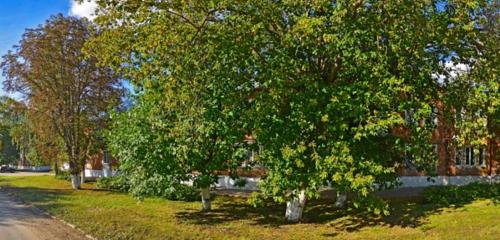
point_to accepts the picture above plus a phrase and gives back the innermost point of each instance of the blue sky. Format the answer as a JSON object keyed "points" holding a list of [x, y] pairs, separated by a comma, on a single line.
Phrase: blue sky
{"points": [[17, 15]]}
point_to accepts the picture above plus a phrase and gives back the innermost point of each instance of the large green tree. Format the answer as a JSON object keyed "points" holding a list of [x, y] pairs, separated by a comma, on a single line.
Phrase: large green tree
{"points": [[335, 91], [340, 75], [187, 117]]}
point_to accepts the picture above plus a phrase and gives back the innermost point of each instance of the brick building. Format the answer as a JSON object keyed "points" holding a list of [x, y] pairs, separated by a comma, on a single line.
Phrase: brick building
{"points": [[459, 161]]}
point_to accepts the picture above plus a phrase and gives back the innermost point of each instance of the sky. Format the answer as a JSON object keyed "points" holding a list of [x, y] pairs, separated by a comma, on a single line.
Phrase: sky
{"points": [[17, 15]]}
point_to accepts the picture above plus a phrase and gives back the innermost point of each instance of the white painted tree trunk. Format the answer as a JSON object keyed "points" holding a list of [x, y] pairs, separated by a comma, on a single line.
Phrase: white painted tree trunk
{"points": [[206, 204], [75, 181], [341, 200], [295, 207], [83, 176]]}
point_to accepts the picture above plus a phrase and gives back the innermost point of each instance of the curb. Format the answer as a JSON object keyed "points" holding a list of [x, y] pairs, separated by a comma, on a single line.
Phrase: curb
{"points": [[45, 213]]}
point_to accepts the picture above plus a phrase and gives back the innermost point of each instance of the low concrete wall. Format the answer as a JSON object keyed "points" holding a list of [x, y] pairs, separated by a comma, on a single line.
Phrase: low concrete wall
{"points": [[425, 181], [225, 182], [93, 174], [32, 169]]}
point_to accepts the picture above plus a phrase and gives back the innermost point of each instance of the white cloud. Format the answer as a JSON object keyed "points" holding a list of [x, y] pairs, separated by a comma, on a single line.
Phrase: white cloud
{"points": [[85, 9], [452, 70], [456, 69]]}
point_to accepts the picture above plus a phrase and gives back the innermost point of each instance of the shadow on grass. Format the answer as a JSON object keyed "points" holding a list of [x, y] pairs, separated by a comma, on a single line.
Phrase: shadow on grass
{"points": [[405, 212], [36, 196], [408, 214]]}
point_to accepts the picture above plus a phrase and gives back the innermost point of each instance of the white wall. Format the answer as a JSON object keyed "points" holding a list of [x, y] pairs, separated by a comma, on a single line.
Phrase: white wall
{"points": [[425, 181], [225, 182], [33, 169], [89, 173]]}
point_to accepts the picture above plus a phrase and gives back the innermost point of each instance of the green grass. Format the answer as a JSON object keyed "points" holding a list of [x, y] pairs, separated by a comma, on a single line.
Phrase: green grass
{"points": [[109, 215]]}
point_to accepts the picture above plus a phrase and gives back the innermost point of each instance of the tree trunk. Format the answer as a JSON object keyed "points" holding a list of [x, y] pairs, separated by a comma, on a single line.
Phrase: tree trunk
{"points": [[295, 207], [56, 169], [75, 181], [21, 154], [206, 204], [83, 175], [341, 200]]}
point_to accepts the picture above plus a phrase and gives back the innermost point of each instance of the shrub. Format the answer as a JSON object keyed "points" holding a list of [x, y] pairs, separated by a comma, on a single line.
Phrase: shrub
{"points": [[64, 175], [182, 192], [446, 195], [116, 183]]}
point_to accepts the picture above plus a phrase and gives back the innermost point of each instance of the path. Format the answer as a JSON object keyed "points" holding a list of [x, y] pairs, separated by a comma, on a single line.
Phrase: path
{"points": [[21, 222]]}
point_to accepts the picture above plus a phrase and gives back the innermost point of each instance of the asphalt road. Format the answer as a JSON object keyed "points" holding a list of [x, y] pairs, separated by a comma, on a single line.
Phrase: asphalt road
{"points": [[21, 222]]}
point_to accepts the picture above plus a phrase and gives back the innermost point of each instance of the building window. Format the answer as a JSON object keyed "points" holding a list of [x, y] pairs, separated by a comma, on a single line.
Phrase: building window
{"points": [[409, 158], [470, 156], [482, 156], [432, 119], [251, 156], [409, 163], [105, 157], [458, 156]]}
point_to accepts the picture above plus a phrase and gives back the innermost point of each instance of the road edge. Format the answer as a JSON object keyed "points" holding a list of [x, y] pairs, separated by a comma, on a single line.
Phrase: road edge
{"points": [[18, 199]]}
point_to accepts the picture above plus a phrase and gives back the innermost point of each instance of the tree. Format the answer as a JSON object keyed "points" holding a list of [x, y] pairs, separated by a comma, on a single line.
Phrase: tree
{"points": [[470, 82], [190, 115], [18, 135], [67, 94], [340, 76], [9, 118], [324, 86]]}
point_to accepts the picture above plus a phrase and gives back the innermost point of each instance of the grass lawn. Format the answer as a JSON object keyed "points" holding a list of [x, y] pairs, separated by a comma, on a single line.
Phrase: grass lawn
{"points": [[109, 215]]}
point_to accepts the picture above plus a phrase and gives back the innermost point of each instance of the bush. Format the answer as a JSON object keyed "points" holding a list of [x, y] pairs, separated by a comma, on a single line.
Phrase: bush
{"points": [[64, 175], [446, 195], [179, 192], [182, 192], [116, 183]]}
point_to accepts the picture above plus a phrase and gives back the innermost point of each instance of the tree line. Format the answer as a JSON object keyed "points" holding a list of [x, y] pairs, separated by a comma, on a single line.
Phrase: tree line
{"points": [[322, 87]]}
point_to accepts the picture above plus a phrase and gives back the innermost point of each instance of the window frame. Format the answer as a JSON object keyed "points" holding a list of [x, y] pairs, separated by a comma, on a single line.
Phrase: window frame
{"points": [[470, 156]]}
